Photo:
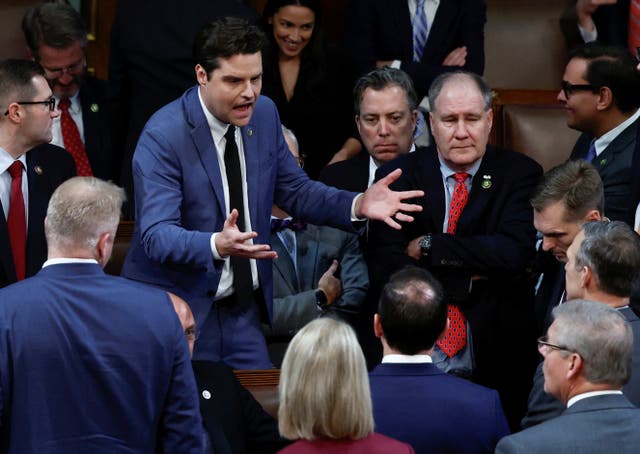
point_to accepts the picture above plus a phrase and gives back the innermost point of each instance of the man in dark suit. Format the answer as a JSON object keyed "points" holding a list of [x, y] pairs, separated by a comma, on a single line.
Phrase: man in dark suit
{"points": [[476, 235], [26, 98], [151, 63], [587, 360], [57, 39], [91, 362], [606, 21], [384, 32], [386, 114], [208, 168], [603, 265], [233, 420], [601, 98], [566, 197], [414, 401]]}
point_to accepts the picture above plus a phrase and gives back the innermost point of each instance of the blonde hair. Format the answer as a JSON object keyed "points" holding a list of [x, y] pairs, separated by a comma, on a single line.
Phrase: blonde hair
{"points": [[324, 386]]}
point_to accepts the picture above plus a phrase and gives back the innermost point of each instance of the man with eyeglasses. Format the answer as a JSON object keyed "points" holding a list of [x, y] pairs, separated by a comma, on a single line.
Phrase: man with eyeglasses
{"points": [[603, 265], [601, 96], [57, 37], [587, 361], [30, 167]]}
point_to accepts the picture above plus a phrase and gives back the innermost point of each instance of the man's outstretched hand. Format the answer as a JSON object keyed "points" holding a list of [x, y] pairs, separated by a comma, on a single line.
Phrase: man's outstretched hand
{"points": [[381, 203], [231, 241]]}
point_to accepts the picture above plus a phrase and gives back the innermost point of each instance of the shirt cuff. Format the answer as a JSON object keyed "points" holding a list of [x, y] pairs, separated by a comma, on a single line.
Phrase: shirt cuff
{"points": [[588, 36], [353, 209], [214, 250]]}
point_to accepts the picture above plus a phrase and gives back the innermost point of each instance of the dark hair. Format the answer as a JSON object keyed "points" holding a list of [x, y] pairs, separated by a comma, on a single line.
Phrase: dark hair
{"points": [[16, 81], [612, 67], [577, 184], [612, 251], [224, 38], [412, 310], [57, 25], [381, 78], [440, 81]]}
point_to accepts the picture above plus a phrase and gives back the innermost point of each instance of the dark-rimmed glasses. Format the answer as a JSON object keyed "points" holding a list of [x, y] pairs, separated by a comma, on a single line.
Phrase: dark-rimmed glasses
{"points": [[568, 88], [54, 73], [544, 342], [51, 102]]}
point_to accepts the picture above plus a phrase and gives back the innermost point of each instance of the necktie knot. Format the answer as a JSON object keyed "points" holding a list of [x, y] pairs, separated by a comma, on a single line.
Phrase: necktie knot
{"points": [[230, 134], [64, 104], [277, 225], [461, 177], [15, 169]]}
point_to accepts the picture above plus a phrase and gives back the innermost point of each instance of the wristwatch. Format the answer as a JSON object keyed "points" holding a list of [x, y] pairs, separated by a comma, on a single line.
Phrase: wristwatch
{"points": [[321, 299], [425, 245]]}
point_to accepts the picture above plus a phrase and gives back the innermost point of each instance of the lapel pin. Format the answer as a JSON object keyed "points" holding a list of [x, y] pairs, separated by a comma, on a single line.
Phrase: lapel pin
{"points": [[206, 394], [250, 132], [38, 170], [603, 162], [94, 108], [486, 181]]}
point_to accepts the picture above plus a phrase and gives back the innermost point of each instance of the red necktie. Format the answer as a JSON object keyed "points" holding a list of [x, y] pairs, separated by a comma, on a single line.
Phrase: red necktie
{"points": [[456, 337], [17, 222], [634, 27], [72, 141]]}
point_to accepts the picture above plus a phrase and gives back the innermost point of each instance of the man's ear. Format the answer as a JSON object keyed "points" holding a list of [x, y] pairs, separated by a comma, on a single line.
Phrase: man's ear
{"points": [[377, 326], [104, 248], [605, 98], [201, 75], [575, 366]]}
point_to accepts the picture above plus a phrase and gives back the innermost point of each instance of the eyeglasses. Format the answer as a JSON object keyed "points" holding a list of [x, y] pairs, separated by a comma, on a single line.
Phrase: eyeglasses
{"points": [[544, 342], [54, 73], [569, 88], [51, 103], [192, 334]]}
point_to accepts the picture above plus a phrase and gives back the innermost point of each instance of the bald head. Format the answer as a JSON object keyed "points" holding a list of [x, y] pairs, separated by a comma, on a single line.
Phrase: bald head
{"points": [[186, 319]]}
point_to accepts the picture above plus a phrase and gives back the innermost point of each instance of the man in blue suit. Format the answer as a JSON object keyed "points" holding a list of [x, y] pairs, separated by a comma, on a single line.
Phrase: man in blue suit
{"points": [[207, 169], [587, 360], [91, 362], [413, 400]]}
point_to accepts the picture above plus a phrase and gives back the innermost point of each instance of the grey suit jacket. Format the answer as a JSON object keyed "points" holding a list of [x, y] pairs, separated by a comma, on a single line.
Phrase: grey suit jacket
{"points": [[294, 302], [597, 424], [614, 167]]}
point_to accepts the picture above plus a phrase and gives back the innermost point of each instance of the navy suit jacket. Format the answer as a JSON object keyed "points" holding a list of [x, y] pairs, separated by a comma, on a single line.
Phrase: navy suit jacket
{"points": [[550, 288], [543, 406], [614, 166], [495, 239], [435, 412], [180, 199], [96, 118], [47, 167], [381, 30], [93, 363], [350, 175], [597, 424]]}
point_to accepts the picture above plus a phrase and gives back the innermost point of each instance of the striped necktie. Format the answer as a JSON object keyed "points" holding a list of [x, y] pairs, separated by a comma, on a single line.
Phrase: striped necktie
{"points": [[420, 29]]}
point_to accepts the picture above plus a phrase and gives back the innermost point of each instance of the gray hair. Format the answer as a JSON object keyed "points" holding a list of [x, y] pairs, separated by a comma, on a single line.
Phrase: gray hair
{"points": [[324, 386], [459, 76], [80, 210], [612, 251], [289, 133], [600, 335]]}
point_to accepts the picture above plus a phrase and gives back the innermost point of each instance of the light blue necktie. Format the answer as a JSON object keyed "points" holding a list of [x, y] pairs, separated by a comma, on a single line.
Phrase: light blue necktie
{"points": [[420, 28]]}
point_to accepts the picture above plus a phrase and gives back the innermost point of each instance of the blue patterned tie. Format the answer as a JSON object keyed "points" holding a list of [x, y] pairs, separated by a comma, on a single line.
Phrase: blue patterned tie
{"points": [[420, 28]]}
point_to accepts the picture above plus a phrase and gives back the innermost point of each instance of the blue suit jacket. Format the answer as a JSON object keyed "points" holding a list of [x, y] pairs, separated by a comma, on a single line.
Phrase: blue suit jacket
{"points": [[47, 167], [435, 412], [597, 424], [180, 199], [93, 363]]}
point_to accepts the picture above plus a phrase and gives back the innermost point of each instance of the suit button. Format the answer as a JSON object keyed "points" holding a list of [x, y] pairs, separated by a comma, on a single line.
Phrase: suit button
{"points": [[206, 394]]}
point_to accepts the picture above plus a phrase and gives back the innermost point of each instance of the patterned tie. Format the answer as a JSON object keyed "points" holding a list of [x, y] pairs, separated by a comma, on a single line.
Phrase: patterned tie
{"points": [[72, 141], [634, 27], [17, 223], [242, 279], [456, 337], [420, 28]]}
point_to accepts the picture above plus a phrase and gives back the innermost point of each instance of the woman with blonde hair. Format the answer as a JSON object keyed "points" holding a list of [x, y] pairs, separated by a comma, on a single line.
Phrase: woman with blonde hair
{"points": [[324, 394]]}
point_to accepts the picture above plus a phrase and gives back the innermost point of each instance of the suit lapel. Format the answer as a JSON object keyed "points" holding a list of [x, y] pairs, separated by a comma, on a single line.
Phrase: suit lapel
{"points": [[307, 250], [250, 145], [6, 258], [201, 136], [284, 265], [39, 192], [90, 123], [619, 145], [402, 19], [441, 25], [430, 177], [484, 185]]}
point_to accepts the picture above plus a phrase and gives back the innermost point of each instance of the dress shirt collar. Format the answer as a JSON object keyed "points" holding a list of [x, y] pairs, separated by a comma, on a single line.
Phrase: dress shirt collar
{"points": [[6, 160], [448, 171], [605, 139], [66, 261], [373, 166], [579, 397], [74, 107], [397, 358]]}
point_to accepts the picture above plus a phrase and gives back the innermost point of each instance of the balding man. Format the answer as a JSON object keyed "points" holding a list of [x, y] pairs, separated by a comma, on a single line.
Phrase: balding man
{"points": [[91, 362]]}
